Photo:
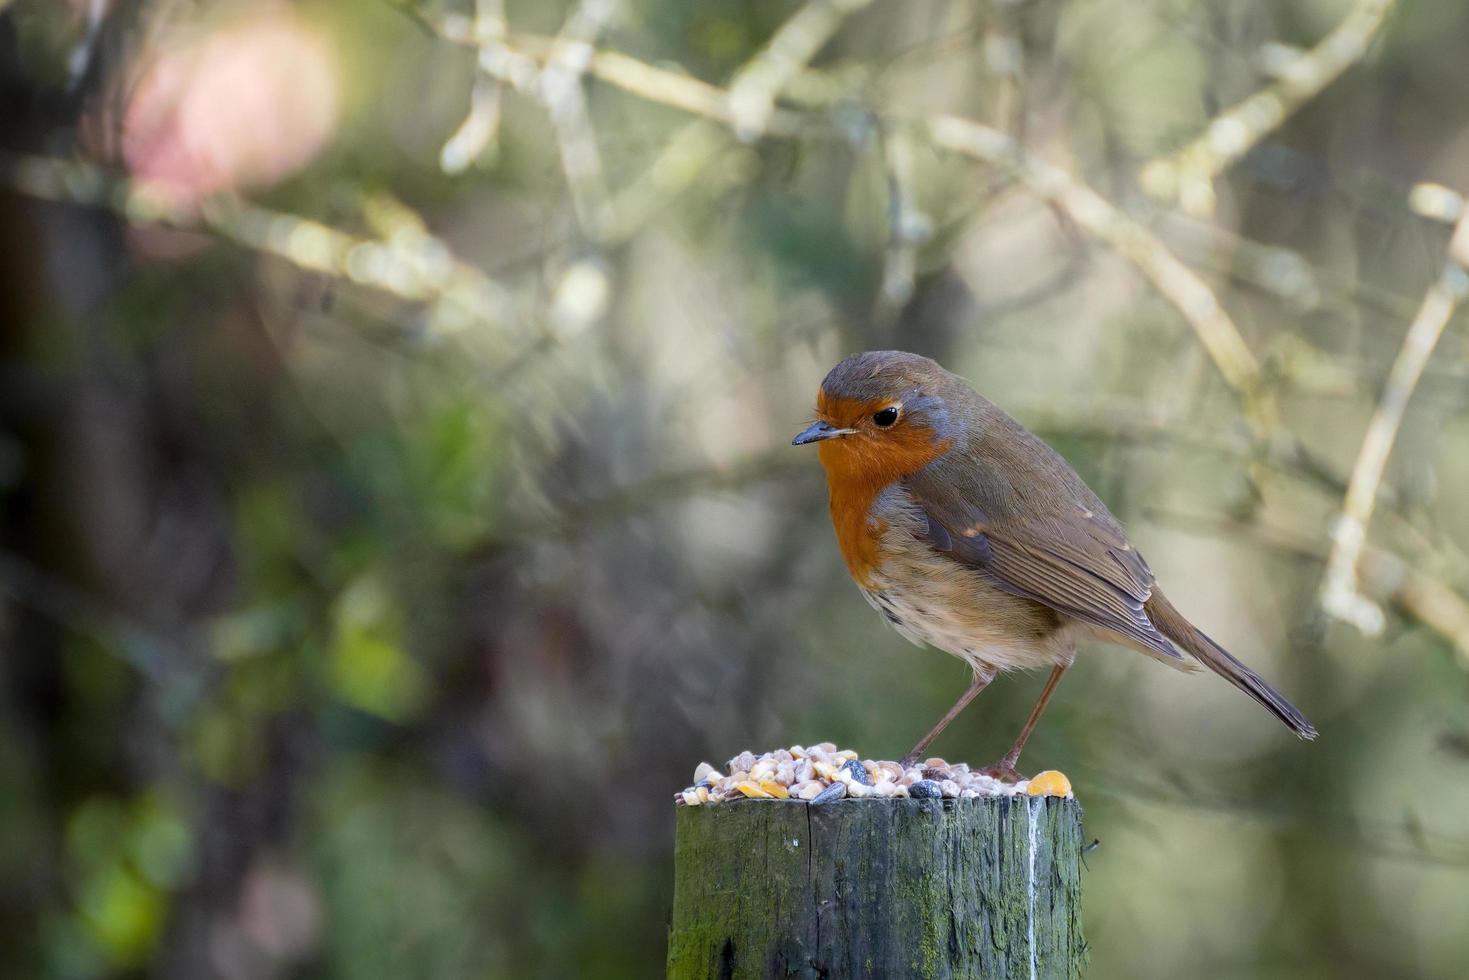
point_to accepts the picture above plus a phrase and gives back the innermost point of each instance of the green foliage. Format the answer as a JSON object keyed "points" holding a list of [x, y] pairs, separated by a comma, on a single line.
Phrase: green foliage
{"points": [[344, 637], [122, 861]]}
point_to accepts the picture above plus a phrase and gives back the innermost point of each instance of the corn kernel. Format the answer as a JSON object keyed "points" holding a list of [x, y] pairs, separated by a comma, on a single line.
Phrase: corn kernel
{"points": [[1049, 783]]}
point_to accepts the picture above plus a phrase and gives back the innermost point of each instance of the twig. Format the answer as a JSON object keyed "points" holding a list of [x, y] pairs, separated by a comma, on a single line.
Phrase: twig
{"points": [[518, 60], [80, 58], [552, 77], [687, 154], [908, 227], [1172, 278], [514, 58], [682, 91], [759, 83], [417, 267], [1340, 595], [1004, 57], [1416, 593], [1179, 284], [1187, 175], [1422, 596], [481, 125], [560, 90]]}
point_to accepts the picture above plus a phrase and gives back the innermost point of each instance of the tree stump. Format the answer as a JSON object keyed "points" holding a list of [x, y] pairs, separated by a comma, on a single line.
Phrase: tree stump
{"points": [[973, 888]]}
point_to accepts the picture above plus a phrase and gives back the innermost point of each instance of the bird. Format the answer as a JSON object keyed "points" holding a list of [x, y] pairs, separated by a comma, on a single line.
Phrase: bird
{"points": [[970, 534]]}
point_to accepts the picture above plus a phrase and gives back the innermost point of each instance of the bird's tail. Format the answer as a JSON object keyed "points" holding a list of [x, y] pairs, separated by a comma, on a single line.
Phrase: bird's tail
{"points": [[1172, 624]]}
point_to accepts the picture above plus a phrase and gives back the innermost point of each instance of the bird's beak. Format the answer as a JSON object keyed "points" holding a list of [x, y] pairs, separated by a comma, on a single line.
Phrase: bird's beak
{"points": [[818, 431]]}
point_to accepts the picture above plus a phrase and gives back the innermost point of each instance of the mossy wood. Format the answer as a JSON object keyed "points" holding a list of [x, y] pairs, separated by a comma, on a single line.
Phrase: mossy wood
{"points": [[977, 888]]}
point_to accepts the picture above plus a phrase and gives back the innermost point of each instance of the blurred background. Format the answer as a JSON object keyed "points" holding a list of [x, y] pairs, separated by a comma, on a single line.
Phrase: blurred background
{"points": [[395, 399]]}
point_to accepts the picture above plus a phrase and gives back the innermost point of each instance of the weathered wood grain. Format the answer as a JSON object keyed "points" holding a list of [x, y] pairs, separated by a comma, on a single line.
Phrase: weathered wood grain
{"points": [[979, 888]]}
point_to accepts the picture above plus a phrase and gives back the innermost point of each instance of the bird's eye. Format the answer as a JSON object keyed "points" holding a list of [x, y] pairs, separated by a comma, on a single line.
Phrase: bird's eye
{"points": [[885, 418]]}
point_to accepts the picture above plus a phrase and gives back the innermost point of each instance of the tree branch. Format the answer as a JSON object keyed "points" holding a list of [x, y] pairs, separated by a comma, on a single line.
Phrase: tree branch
{"points": [[418, 267], [1179, 284], [1340, 592], [760, 82], [1187, 175], [1417, 594], [481, 126]]}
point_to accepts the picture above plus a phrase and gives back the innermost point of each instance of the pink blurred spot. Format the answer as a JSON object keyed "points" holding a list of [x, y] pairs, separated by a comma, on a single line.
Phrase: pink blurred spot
{"points": [[246, 106]]}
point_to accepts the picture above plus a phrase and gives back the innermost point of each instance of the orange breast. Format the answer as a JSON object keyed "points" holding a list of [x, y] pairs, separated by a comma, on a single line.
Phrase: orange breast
{"points": [[858, 534], [858, 468]]}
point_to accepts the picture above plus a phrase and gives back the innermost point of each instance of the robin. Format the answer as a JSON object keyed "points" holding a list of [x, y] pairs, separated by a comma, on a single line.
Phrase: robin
{"points": [[970, 534]]}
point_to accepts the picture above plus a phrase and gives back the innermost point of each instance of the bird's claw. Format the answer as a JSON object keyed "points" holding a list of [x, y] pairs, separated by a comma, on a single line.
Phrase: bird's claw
{"points": [[1005, 772]]}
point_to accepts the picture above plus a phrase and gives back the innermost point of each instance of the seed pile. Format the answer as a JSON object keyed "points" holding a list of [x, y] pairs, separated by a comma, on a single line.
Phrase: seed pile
{"points": [[823, 773]]}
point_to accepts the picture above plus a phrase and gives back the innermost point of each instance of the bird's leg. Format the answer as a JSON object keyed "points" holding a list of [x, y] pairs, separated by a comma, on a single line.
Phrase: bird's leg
{"points": [[1005, 769], [981, 680]]}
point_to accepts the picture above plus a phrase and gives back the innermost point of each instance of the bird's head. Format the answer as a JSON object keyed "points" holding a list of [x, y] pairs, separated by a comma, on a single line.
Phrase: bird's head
{"points": [[883, 415]]}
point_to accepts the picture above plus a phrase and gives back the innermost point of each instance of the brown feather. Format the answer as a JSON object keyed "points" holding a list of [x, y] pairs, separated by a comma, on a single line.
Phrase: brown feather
{"points": [[1061, 547], [860, 466], [1219, 660], [973, 535]]}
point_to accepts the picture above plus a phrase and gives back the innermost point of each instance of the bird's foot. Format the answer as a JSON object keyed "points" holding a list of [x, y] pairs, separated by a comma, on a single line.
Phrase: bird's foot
{"points": [[1005, 772]]}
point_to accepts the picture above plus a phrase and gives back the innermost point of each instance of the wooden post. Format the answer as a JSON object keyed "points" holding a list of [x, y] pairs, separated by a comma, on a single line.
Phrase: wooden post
{"points": [[924, 888]]}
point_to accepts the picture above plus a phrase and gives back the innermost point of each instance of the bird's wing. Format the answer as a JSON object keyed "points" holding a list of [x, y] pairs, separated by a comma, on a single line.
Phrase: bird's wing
{"points": [[1065, 552]]}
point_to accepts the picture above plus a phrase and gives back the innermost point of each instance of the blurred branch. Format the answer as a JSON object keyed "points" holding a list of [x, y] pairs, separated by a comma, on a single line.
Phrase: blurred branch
{"points": [[760, 82], [1417, 594], [412, 265], [147, 651], [1380, 838], [659, 490], [1187, 175], [560, 90], [682, 92], [1004, 57], [552, 77], [527, 63], [777, 463], [511, 56], [478, 132], [480, 128], [1179, 284], [1282, 272], [688, 153], [1340, 593], [1423, 597], [1284, 458], [908, 227], [79, 61]]}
